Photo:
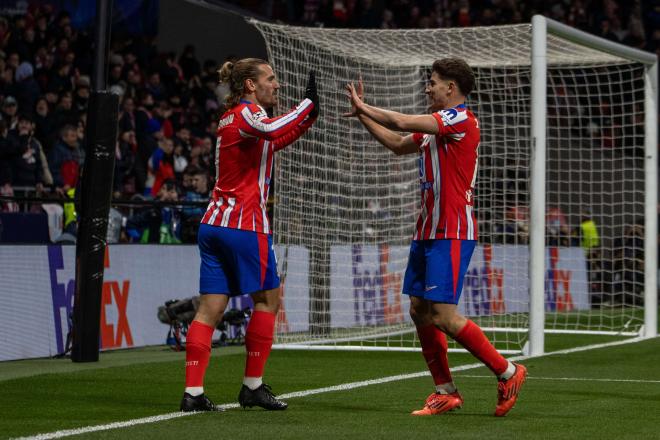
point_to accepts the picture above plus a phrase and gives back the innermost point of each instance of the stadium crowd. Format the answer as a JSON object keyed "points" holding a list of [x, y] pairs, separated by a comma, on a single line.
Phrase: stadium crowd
{"points": [[170, 102], [168, 112], [634, 23]]}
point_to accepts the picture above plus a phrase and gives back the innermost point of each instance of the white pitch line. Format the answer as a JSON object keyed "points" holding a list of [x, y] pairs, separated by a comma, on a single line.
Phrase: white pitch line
{"points": [[340, 387], [569, 379]]}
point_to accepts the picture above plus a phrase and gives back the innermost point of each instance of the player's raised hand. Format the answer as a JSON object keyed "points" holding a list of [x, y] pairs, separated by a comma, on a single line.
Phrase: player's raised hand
{"points": [[355, 94], [311, 93]]}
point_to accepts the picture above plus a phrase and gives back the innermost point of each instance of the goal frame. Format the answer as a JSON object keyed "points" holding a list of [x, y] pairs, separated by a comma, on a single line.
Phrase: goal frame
{"points": [[541, 27], [542, 56]]}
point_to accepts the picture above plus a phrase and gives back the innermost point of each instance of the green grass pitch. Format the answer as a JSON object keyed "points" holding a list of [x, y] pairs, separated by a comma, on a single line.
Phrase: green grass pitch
{"points": [[569, 396]]}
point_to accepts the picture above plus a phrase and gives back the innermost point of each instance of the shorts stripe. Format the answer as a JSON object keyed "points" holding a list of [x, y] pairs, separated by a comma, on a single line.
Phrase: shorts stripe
{"points": [[262, 241], [455, 263]]}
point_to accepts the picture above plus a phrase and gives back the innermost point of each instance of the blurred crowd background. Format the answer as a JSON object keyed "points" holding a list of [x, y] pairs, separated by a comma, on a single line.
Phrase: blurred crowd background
{"points": [[170, 102]]}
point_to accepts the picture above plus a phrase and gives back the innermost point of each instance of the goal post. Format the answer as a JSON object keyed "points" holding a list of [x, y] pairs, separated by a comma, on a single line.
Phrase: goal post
{"points": [[541, 27], [568, 143]]}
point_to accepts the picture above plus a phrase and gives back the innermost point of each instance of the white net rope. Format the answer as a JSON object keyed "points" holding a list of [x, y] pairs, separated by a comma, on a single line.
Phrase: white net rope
{"points": [[595, 171], [345, 207]]}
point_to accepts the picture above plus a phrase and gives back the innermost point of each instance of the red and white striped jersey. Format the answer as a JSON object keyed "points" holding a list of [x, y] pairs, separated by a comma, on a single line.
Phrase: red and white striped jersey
{"points": [[447, 173], [247, 139]]}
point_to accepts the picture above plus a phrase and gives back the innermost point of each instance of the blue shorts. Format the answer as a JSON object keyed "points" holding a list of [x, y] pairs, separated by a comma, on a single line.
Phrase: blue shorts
{"points": [[235, 262], [436, 269]]}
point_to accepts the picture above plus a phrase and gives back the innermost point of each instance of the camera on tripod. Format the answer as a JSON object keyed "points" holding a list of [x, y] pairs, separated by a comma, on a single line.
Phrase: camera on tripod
{"points": [[179, 313]]}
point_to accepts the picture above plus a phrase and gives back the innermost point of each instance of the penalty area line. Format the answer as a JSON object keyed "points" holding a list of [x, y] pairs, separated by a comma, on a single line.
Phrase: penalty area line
{"points": [[340, 387]]}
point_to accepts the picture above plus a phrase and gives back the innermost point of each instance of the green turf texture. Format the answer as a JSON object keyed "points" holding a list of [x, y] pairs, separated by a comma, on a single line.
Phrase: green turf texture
{"points": [[42, 396]]}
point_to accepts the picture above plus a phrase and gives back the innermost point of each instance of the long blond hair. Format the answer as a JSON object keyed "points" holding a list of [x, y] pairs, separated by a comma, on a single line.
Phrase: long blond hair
{"points": [[235, 74]]}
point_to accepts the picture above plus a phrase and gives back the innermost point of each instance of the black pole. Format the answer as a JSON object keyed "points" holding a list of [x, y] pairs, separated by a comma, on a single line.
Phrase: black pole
{"points": [[101, 40], [94, 193]]}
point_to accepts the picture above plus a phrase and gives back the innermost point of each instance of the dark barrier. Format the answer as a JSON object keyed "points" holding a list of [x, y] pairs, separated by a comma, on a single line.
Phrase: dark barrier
{"points": [[96, 191]]}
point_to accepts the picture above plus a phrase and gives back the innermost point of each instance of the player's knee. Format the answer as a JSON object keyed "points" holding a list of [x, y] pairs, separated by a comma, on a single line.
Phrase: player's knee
{"points": [[420, 315], [442, 322], [449, 323], [274, 305], [268, 300]]}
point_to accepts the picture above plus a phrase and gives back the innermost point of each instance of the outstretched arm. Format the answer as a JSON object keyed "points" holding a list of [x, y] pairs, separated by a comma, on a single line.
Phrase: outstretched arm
{"points": [[394, 142], [393, 120], [258, 124], [391, 140], [294, 134]]}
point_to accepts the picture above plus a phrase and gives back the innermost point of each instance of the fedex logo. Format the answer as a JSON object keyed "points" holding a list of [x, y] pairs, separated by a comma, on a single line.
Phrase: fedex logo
{"points": [[115, 330], [483, 287], [62, 296], [376, 289], [558, 297]]}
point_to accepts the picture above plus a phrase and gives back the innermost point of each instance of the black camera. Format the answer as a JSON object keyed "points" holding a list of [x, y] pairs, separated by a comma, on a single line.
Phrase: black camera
{"points": [[179, 313]]}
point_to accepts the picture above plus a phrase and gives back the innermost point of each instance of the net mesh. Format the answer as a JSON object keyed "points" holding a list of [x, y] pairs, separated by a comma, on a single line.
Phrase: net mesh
{"points": [[347, 206]]}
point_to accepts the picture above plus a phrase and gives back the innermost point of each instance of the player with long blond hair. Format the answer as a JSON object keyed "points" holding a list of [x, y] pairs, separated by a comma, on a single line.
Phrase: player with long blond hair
{"points": [[235, 240]]}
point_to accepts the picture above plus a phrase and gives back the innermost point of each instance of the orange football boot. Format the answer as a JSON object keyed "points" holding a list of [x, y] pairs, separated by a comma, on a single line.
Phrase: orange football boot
{"points": [[438, 403], [508, 390]]}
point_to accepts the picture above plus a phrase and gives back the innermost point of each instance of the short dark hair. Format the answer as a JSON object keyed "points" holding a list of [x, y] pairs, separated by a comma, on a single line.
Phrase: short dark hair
{"points": [[25, 117], [169, 185], [458, 70]]}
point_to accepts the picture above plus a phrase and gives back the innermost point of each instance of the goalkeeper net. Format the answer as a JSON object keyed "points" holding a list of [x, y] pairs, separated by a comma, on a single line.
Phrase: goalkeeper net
{"points": [[345, 207]]}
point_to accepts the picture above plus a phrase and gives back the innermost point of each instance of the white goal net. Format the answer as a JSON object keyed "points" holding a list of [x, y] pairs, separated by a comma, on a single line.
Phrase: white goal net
{"points": [[345, 207]]}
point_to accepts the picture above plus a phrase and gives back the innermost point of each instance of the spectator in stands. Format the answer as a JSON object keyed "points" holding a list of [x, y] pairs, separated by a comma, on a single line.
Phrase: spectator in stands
{"points": [[161, 166], [81, 99], [588, 234], [10, 112], [589, 240], [163, 112], [184, 138], [179, 160], [188, 62], [127, 115], [125, 163], [66, 159], [7, 154], [64, 113], [556, 227], [44, 124], [154, 86], [202, 154], [27, 89], [157, 224], [633, 263], [198, 192], [516, 226], [28, 170]]}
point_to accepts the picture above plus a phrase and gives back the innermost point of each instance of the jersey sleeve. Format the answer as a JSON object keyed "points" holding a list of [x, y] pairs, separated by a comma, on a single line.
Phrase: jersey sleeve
{"points": [[451, 121], [294, 134], [257, 123], [418, 138]]}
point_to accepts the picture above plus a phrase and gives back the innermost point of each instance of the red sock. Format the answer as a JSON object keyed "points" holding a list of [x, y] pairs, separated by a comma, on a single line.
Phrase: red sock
{"points": [[473, 339], [258, 342], [434, 350], [198, 352]]}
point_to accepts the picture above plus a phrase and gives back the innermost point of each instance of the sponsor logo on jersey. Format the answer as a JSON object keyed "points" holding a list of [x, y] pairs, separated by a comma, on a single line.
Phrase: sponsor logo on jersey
{"points": [[452, 116]]}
